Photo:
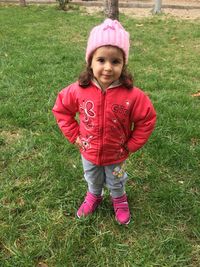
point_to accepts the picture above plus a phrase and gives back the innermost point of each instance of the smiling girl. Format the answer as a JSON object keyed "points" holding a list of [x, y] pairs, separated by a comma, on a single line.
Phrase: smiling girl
{"points": [[115, 118]]}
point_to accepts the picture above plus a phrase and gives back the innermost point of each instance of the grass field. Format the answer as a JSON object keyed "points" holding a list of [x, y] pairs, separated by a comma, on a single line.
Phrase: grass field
{"points": [[41, 183]]}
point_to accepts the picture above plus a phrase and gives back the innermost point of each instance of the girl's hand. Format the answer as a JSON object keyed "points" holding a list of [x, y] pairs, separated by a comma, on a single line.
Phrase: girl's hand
{"points": [[78, 142]]}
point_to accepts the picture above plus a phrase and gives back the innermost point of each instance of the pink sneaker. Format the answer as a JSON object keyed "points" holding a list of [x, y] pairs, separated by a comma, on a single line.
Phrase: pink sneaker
{"points": [[122, 213], [89, 205]]}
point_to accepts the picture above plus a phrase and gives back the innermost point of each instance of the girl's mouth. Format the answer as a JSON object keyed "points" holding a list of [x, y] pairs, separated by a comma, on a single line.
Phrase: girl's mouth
{"points": [[107, 76]]}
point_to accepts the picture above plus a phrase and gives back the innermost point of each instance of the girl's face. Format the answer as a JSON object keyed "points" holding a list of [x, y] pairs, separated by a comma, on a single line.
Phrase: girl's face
{"points": [[107, 64]]}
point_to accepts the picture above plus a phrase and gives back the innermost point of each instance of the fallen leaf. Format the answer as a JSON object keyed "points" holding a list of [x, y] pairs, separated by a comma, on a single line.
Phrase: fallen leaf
{"points": [[174, 38], [196, 94], [146, 188], [42, 264], [20, 202], [147, 93], [139, 25], [194, 141]]}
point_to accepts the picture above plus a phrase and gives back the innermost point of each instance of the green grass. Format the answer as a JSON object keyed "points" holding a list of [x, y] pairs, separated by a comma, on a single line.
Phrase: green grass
{"points": [[41, 51]]}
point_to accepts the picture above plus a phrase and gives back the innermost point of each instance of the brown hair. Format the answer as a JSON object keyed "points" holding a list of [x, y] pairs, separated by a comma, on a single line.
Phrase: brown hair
{"points": [[126, 78]]}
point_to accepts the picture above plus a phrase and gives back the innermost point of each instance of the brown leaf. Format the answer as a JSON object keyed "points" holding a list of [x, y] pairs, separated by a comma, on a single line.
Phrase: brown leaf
{"points": [[194, 141], [139, 25], [174, 38], [196, 94], [42, 264], [20, 202], [146, 188], [147, 93]]}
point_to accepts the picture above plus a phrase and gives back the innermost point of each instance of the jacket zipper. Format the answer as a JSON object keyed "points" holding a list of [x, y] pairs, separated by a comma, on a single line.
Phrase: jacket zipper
{"points": [[102, 127]]}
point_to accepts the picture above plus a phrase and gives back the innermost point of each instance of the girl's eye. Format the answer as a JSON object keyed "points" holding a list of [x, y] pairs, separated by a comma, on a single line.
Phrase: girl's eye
{"points": [[101, 60], [116, 61]]}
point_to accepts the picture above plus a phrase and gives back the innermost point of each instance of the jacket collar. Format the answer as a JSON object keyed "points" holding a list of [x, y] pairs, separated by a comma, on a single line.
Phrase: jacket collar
{"points": [[113, 85]]}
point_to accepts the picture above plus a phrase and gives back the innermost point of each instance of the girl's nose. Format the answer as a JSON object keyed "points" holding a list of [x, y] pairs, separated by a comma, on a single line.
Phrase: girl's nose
{"points": [[108, 66]]}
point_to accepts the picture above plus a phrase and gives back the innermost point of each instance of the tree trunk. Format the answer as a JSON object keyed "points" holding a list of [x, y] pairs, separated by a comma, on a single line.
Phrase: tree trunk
{"points": [[157, 7], [111, 9], [22, 2]]}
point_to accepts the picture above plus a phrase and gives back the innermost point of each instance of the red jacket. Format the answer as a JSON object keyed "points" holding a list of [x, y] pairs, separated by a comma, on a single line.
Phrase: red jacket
{"points": [[111, 124]]}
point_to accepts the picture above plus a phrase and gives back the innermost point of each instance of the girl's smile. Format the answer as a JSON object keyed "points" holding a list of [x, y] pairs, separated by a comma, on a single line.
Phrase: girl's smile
{"points": [[107, 64]]}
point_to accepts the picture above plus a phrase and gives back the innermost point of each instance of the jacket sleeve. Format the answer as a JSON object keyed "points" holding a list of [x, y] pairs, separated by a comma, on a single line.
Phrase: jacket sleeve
{"points": [[143, 116], [64, 110]]}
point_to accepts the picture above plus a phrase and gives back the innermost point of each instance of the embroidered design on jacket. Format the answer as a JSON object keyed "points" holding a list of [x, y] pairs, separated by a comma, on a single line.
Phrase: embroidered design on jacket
{"points": [[120, 109], [87, 108], [86, 142], [122, 152]]}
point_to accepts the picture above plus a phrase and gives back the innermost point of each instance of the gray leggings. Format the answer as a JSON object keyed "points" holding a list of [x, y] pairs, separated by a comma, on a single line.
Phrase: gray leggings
{"points": [[113, 176]]}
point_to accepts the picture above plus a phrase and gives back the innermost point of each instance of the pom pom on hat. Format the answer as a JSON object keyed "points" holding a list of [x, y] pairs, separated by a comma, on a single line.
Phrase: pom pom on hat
{"points": [[110, 32]]}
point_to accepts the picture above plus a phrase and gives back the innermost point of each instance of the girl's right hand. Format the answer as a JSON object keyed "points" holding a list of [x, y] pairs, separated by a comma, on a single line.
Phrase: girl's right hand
{"points": [[78, 142]]}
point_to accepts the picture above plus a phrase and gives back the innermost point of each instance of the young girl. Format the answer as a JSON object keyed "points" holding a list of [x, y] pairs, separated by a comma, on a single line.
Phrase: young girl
{"points": [[115, 118]]}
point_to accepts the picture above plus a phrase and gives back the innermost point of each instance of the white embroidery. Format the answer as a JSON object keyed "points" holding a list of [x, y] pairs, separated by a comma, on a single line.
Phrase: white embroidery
{"points": [[88, 110], [86, 142]]}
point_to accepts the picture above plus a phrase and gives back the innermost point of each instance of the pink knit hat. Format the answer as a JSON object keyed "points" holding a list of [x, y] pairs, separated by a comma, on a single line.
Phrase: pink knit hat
{"points": [[110, 32]]}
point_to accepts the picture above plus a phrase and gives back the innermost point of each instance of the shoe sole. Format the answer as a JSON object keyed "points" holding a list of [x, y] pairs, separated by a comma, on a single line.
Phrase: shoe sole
{"points": [[126, 223]]}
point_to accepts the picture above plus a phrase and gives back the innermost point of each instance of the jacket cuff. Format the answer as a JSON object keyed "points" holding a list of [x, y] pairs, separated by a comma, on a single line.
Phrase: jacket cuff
{"points": [[73, 139], [132, 147]]}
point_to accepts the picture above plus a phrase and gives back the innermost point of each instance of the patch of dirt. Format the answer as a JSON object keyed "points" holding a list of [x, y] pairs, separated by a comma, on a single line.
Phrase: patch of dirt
{"points": [[11, 136], [186, 14], [180, 13]]}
